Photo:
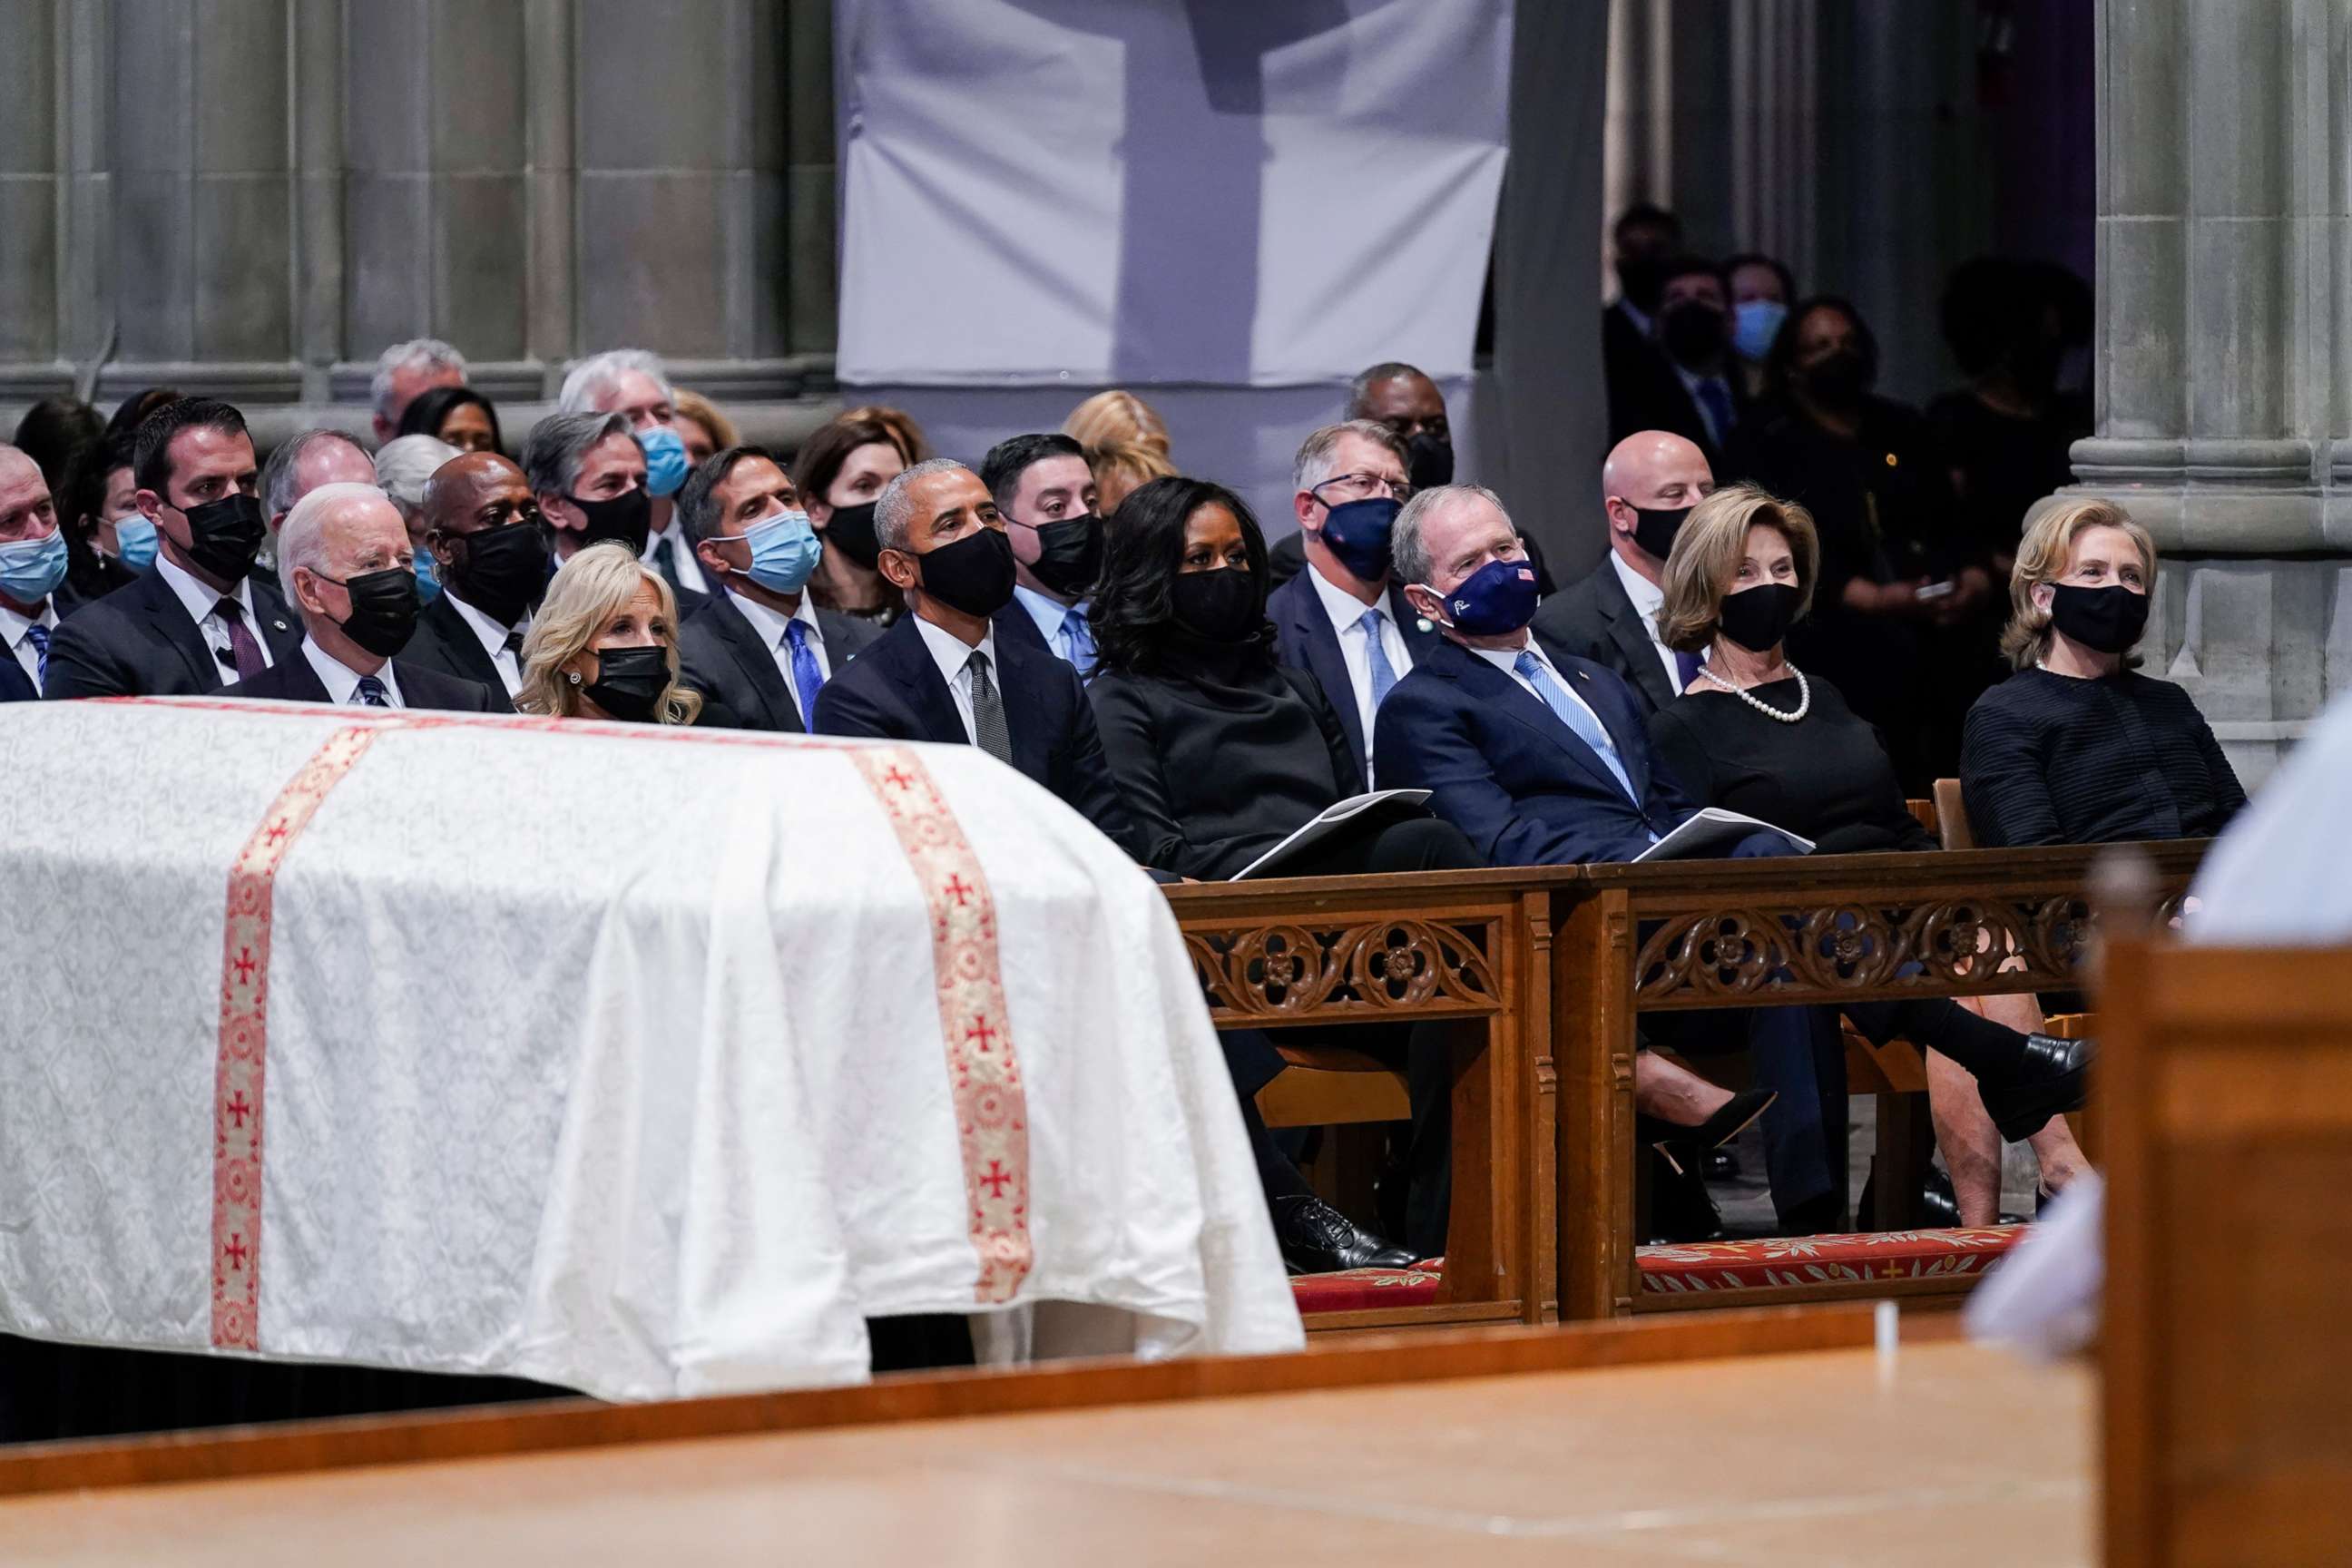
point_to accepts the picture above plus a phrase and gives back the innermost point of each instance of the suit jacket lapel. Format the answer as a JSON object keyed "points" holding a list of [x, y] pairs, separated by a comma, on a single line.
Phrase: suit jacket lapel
{"points": [[1018, 684], [1632, 640], [278, 626], [917, 679], [164, 612], [1324, 660], [16, 686], [464, 648], [1491, 686], [758, 667]]}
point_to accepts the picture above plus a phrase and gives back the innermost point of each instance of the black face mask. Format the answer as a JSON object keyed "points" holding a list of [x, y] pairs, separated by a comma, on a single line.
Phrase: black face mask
{"points": [[1692, 334], [1429, 460], [2108, 620], [1222, 606], [1654, 528], [1757, 618], [1837, 380], [1069, 554], [1642, 279], [224, 535], [501, 572], [623, 518], [973, 575], [2033, 365], [630, 682], [850, 530], [383, 608]]}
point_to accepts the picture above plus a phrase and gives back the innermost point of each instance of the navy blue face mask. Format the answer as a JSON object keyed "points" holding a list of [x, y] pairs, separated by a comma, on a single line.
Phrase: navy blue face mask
{"points": [[1358, 533], [1497, 599]]}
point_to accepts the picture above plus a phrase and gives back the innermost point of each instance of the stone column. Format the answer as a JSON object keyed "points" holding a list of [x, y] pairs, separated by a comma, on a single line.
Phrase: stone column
{"points": [[2224, 368]]}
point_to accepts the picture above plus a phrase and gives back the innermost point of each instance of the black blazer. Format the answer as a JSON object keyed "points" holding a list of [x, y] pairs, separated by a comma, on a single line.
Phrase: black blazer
{"points": [[445, 645], [1505, 770], [1654, 398], [722, 657], [894, 691], [1303, 640], [16, 686], [293, 680], [1595, 619], [139, 642], [1216, 776]]}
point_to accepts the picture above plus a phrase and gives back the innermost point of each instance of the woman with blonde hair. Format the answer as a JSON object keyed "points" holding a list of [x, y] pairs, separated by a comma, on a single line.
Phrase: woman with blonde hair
{"points": [[605, 645], [1117, 416], [1752, 734], [703, 428], [1121, 468], [2078, 747]]}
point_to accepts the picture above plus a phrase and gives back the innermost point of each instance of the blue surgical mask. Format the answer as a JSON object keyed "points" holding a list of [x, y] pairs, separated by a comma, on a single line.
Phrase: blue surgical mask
{"points": [[1755, 323], [31, 569], [428, 582], [1497, 598], [784, 551], [1358, 533], [135, 541], [666, 462]]}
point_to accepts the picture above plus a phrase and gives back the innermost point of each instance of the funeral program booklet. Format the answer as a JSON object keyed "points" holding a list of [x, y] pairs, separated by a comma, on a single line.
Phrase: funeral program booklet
{"points": [[1711, 832], [1388, 804]]}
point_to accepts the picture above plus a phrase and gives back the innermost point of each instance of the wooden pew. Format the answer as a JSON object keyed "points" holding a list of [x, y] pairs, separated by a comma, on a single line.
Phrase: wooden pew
{"points": [[2227, 1081], [1715, 933]]}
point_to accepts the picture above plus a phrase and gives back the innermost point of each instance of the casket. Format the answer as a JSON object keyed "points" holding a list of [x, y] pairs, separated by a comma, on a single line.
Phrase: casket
{"points": [[639, 1061]]}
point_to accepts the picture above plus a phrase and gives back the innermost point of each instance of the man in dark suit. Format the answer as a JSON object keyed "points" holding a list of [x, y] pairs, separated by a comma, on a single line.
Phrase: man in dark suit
{"points": [[489, 550], [759, 644], [1046, 494], [1542, 758], [1690, 385], [1344, 619], [32, 569], [1641, 239], [1648, 486], [347, 558], [943, 674], [587, 473], [199, 617]]}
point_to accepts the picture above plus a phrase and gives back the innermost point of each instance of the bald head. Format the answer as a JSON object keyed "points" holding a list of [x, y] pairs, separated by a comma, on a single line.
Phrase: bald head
{"points": [[1651, 471], [458, 487]]}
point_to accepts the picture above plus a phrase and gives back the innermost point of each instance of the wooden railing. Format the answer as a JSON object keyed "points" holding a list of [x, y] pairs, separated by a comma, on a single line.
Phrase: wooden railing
{"points": [[1548, 969]]}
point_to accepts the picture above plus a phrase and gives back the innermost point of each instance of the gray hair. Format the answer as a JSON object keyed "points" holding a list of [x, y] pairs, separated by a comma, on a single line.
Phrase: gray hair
{"points": [[303, 541], [417, 353], [559, 443], [893, 512], [1316, 455], [592, 375], [1407, 550], [278, 475], [404, 465], [1366, 379]]}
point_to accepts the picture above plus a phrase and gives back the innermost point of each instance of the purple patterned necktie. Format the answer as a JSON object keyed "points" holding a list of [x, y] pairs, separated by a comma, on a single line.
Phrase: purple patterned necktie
{"points": [[248, 652]]}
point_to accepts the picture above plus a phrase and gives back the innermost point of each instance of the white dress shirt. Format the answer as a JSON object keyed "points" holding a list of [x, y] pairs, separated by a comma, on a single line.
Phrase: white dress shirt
{"points": [[1648, 600], [770, 629], [493, 637], [1347, 613], [202, 605], [15, 630], [343, 682], [682, 556], [953, 656]]}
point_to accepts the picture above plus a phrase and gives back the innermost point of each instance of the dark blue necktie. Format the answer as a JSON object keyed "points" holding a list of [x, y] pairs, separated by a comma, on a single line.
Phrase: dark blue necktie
{"points": [[369, 690], [1716, 399], [39, 637], [806, 677], [1686, 669]]}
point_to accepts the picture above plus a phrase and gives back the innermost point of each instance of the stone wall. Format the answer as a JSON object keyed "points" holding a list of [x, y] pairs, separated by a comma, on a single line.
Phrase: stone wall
{"points": [[254, 196]]}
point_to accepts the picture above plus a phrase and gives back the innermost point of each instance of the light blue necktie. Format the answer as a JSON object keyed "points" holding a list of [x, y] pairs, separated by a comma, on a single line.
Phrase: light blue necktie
{"points": [[806, 676], [1576, 716], [1384, 676], [1077, 640]]}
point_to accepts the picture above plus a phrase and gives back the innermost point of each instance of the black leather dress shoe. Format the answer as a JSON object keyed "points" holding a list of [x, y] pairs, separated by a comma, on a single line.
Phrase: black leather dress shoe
{"points": [[2048, 1079], [1317, 1238]]}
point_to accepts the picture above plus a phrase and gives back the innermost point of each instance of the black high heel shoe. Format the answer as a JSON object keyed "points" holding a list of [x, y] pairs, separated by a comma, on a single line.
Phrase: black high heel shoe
{"points": [[1683, 1147]]}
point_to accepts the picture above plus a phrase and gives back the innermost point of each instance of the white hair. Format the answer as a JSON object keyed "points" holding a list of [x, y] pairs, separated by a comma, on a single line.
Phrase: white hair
{"points": [[1408, 551], [1318, 455], [417, 353], [590, 377], [894, 509], [303, 541], [404, 464]]}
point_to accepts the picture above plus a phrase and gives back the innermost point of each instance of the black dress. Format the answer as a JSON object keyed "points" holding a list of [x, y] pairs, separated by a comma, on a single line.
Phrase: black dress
{"points": [[1825, 777], [2051, 758]]}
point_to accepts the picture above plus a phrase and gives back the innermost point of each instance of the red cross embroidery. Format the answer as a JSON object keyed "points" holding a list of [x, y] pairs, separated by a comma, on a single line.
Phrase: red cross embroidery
{"points": [[898, 780], [958, 889], [980, 1031], [243, 966], [236, 1252], [278, 830], [997, 1179], [238, 1110]]}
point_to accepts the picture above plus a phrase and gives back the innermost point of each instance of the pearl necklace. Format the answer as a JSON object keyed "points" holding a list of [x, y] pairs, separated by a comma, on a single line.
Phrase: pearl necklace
{"points": [[1804, 695]]}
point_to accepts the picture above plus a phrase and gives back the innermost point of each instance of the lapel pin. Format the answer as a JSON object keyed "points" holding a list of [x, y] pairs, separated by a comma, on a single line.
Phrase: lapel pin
{"points": [[279, 624]]}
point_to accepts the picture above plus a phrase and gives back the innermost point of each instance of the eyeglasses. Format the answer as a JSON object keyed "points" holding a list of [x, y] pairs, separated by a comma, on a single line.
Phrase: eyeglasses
{"points": [[1361, 487]]}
